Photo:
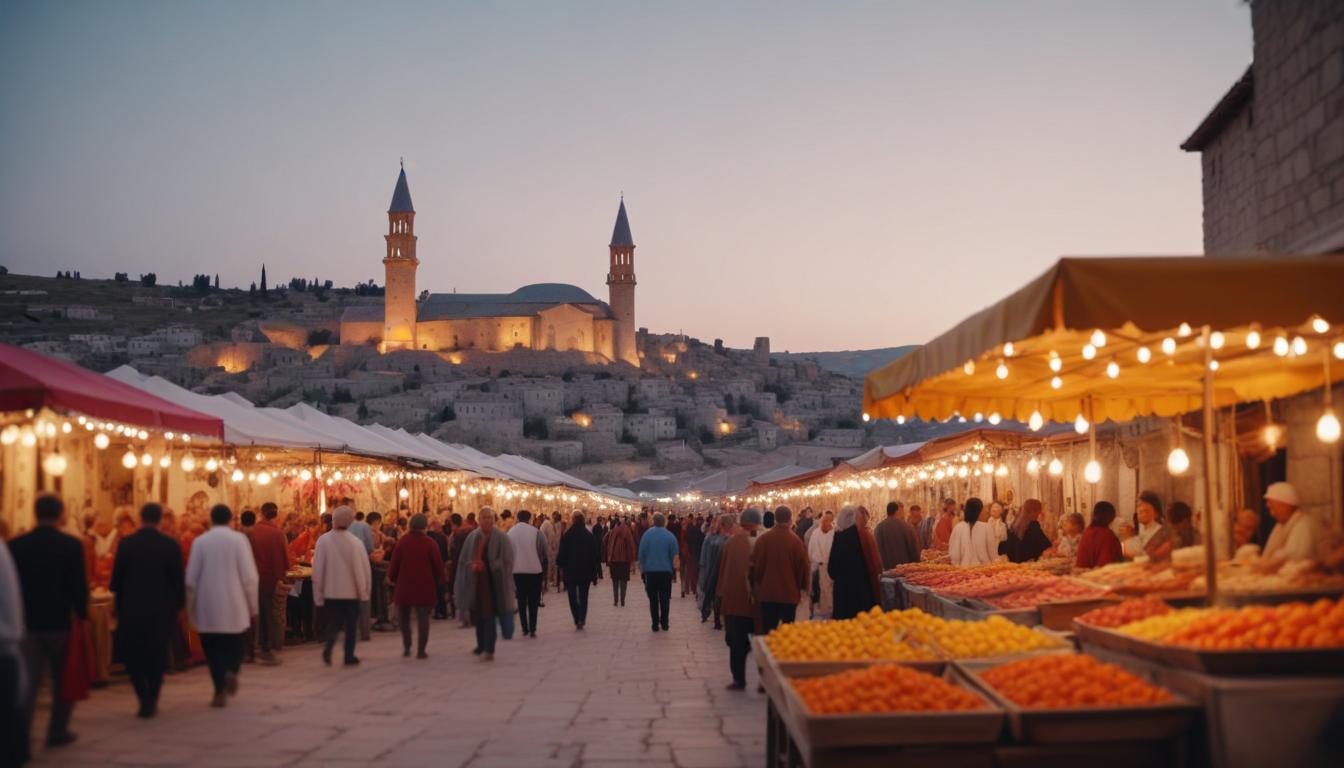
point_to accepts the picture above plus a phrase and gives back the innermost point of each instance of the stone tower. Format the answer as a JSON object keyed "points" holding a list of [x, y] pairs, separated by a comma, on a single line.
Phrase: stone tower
{"points": [[400, 263], [621, 284]]}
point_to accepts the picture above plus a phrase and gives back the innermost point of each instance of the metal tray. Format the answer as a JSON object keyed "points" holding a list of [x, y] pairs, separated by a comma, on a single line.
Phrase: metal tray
{"points": [[1075, 725], [894, 729]]}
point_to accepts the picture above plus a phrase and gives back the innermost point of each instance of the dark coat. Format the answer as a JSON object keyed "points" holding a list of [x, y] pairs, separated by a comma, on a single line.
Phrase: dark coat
{"points": [[577, 558], [734, 587], [621, 545], [1029, 547], [853, 590], [417, 569], [897, 542], [51, 577], [599, 535], [149, 586], [779, 568], [695, 540]]}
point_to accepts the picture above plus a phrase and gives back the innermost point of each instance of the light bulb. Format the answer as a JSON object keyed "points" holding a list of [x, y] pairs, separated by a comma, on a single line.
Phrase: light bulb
{"points": [[1002, 471], [27, 438], [128, 460], [144, 435], [146, 459], [1327, 428], [1271, 434], [1080, 425], [211, 464], [101, 441], [1253, 339], [165, 461], [1281, 346], [969, 367], [263, 478], [995, 418], [866, 417], [1113, 369], [405, 494], [54, 464], [1213, 365], [188, 463], [1216, 339], [1339, 350], [65, 428], [305, 475], [1144, 354], [1036, 421], [236, 476], [1089, 351], [452, 491], [1008, 349], [1169, 346], [961, 419], [1033, 466], [978, 417], [900, 419], [1092, 472], [1056, 382], [1056, 363], [1299, 346], [337, 475], [962, 471], [987, 466], [1319, 324], [9, 435], [167, 435], [1178, 461], [1184, 330], [1001, 371], [1056, 467]]}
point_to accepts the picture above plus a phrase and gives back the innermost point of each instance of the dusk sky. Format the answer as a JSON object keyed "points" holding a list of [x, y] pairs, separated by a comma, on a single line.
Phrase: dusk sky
{"points": [[833, 175]]}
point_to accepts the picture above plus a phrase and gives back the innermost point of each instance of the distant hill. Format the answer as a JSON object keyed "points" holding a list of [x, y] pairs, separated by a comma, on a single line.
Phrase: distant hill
{"points": [[855, 363]]}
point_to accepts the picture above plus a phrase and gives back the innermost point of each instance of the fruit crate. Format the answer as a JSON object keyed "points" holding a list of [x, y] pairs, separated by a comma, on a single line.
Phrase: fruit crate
{"points": [[760, 649], [1290, 661], [1076, 725]]}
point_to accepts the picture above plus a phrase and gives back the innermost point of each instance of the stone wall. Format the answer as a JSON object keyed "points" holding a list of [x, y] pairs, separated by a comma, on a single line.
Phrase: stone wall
{"points": [[1229, 189]]}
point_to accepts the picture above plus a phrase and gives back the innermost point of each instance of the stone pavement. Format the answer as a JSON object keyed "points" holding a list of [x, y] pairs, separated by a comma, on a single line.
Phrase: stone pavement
{"points": [[614, 694]]}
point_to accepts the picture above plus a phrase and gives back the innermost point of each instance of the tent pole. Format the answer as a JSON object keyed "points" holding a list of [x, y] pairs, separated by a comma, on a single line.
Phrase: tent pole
{"points": [[1210, 480]]}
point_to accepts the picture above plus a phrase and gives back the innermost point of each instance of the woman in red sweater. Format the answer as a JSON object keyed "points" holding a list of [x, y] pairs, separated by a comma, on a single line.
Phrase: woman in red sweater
{"points": [[1099, 545]]}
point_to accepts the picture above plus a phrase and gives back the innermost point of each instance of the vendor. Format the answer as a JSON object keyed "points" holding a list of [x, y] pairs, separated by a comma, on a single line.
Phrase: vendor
{"points": [[1182, 521], [1296, 535], [1152, 539]]}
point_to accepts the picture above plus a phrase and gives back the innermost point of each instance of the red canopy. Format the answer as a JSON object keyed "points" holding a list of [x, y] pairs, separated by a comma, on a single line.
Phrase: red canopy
{"points": [[31, 380]]}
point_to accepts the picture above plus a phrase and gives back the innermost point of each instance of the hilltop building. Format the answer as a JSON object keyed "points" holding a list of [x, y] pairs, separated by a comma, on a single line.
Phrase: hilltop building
{"points": [[553, 316]]}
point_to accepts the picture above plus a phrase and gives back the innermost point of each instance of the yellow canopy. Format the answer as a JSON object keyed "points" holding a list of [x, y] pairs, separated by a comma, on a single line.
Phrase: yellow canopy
{"points": [[1274, 323]]}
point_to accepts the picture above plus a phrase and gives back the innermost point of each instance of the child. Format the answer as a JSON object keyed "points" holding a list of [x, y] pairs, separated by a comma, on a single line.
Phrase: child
{"points": [[1071, 531]]}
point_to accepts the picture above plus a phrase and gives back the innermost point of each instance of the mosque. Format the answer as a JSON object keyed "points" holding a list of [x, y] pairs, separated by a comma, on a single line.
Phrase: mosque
{"points": [[553, 316]]}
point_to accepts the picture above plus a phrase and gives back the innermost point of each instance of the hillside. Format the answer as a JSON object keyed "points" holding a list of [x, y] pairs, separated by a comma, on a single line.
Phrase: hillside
{"points": [[855, 363]]}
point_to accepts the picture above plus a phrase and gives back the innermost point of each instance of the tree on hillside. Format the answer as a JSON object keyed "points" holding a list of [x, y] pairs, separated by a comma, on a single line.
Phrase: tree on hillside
{"points": [[121, 277], [149, 279], [216, 281]]}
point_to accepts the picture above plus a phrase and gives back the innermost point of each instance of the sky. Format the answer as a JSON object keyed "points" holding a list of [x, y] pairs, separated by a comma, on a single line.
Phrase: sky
{"points": [[833, 175]]}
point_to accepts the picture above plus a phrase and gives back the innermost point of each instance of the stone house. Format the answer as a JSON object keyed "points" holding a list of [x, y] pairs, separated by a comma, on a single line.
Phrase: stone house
{"points": [[650, 427]]}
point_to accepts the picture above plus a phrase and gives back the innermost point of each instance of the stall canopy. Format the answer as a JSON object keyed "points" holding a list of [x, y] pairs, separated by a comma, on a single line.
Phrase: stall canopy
{"points": [[1118, 338], [31, 380]]}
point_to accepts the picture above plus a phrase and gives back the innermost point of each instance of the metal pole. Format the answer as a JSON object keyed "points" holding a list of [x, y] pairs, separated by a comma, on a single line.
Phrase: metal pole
{"points": [[1210, 481]]}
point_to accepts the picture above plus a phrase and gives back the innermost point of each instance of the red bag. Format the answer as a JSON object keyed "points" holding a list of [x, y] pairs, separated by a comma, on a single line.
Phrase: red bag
{"points": [[79, 664]]}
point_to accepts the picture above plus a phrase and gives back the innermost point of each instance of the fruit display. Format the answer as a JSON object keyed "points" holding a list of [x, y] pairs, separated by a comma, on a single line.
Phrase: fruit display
{"points": [[1157, 628], [1140, 578], [883, 688], [1259, 627], [1059, 590], [946, 577], [1064, 681], [909, 635], [1001, 583], [1126, 612], [1300, 576]]}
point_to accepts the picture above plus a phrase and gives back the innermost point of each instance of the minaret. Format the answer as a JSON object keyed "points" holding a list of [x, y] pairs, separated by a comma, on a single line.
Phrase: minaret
{"points": [[621, 284], [400, 263]]}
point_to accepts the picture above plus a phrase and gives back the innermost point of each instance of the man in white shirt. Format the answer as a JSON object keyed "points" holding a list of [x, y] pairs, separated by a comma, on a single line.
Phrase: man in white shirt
{"points": [[530, 560], [341, 581], [1295, 535], [222, 598], [820, 537]]}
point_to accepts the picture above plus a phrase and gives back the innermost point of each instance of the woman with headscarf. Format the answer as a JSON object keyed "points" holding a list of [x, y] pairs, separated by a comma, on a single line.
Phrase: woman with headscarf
{"points": [[872, 556], [710, 552], [848, 568], [621, 551], [972, 541], [1026, 540]]}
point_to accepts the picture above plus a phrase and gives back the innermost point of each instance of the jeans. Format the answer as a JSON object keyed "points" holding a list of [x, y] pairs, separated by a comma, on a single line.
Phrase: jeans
{"points": [[14, 745], [223, 654], [658, 586], [774, 614], [618, 590], [528, 588], [44, 652], [341, 614], [485, 633], [578, 602], [737, 633], [421, 626]]}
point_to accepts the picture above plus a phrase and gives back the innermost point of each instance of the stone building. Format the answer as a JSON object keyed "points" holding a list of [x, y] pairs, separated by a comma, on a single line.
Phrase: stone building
{"points": [[552, 316], [1272, 149]]}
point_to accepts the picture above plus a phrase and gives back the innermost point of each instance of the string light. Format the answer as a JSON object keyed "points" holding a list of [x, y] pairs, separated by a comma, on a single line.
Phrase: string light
{"points": [[866, 417], [900, 419], [1281, 346], [1339, 350], [146, 459], [263, 478], [211, 464], [1253, 339], [1178, 461], [405, 494], [1216, 340], [1080, 424], [1299, 346], [995, 418], [1056, 382], [1055, 362], [27, 438], [188, 462], [1327, 428], [128, 460], [1036, 421], [165, 461], [101, 441], [1089, 351], [969, 367], [236, 476], [1113, 369], [1002, 370], [1272, 434], [1008, 349], [1056, 467], [9, 435], [1213, 365], [1092, 472], [1144, 354], [1033, 466], [1184, 330], [1319, 324], [1169, 346], [54, 464], [1098, 339]]}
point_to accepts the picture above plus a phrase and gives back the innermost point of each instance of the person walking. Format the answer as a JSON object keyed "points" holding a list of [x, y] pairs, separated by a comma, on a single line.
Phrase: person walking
{"points": [[342, 579], [417, 575], [692, 539], [484, 579], [577, 560], [897, 541], [271, 553], [440, 539], [149, 588], [599, 535], [710, 553], [820, 538], [779, 572], [222, 588], [734, 591], [50, 565], [848, 569], [455, 543], [550, 530], [621, 551], [657, 553], [530, 559]]}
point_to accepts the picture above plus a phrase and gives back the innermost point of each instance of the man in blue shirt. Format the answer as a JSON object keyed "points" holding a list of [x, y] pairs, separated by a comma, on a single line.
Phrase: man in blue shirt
{"points": [[657, 554]]}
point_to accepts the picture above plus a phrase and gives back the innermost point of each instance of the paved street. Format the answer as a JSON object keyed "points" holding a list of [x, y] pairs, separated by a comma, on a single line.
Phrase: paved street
{"points": [[615, 694]]}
